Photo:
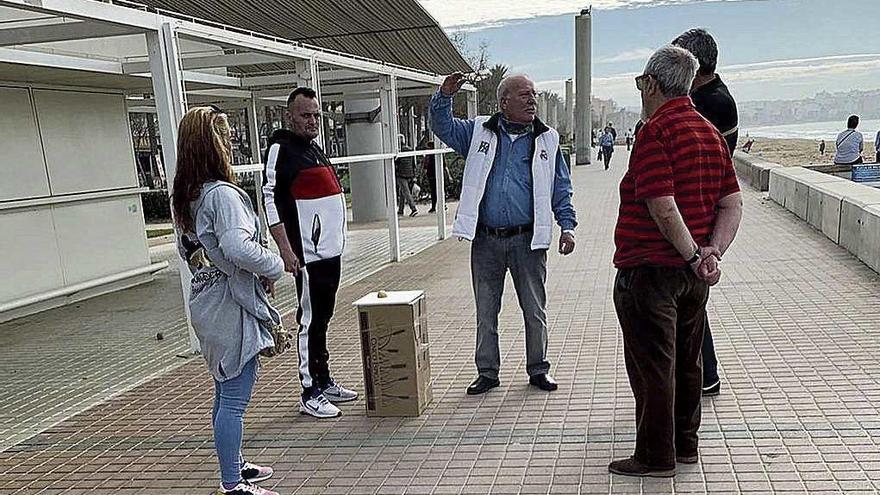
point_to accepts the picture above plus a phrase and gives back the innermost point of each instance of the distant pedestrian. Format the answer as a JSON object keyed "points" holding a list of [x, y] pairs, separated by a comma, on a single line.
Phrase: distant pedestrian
{"points": [[405, 172], [822, 147], [629, 140], [850, 144], [233, 275], [429, 165], [748, 146], [607, 145], [610, 127]]}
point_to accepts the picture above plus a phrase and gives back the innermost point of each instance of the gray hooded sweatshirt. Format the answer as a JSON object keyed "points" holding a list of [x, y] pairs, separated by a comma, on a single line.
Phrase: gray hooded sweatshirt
{"points": [[229, 308]]}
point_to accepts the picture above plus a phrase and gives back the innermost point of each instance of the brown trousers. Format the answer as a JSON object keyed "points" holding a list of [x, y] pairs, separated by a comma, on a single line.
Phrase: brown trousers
{"points": [[661, 312]]}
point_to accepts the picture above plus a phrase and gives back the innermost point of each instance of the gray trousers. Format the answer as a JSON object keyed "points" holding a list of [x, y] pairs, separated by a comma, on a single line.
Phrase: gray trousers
{"points": [[404, 194], [491, 258]]}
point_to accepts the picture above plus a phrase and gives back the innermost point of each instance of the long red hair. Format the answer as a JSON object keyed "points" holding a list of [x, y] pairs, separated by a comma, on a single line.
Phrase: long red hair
{"points": [[203, 155]]}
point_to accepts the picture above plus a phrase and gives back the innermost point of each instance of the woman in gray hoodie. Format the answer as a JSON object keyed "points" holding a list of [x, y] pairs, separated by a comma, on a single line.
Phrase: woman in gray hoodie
{"points": [[233, 274]]}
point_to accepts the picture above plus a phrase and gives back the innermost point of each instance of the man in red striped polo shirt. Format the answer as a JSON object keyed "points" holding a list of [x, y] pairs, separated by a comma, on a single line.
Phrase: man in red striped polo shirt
{"points": [[680, 208]]}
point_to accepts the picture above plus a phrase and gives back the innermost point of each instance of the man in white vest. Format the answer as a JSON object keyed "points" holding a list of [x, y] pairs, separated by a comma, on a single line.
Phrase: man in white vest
{"points": [[515, 181]]}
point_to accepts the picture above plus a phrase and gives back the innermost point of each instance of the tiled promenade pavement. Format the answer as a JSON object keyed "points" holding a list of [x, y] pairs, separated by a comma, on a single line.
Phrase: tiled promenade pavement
{"points": [[60, 362], [795, 327]]}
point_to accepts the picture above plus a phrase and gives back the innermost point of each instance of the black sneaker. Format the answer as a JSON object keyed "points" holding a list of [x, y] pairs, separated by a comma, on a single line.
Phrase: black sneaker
{"points": [[712, 390], [632, 467], [254, 474]]}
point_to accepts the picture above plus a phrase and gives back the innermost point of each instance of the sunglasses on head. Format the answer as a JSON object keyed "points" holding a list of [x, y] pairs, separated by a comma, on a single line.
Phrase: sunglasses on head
{"points": [[641, 80], [215, 109]]}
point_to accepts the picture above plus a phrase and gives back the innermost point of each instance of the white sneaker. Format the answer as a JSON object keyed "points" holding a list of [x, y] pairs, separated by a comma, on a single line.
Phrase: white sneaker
{"points": [[335, 392], [245, 488], [318, 406]]}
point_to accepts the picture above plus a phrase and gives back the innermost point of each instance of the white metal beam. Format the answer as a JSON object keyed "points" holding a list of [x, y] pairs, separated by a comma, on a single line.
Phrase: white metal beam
{"points": [[62, 31], [211, 79], [170, 106], [90, 10], [211, 61], [43, 59]]}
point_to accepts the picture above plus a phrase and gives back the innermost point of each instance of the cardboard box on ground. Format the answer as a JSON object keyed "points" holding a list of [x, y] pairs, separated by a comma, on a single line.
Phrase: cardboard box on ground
{"points": [[395, 351]]}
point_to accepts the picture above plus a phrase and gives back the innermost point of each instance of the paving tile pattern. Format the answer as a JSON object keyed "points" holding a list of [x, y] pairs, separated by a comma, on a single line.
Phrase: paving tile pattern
{"points": [[795, 327], [60, 362]]}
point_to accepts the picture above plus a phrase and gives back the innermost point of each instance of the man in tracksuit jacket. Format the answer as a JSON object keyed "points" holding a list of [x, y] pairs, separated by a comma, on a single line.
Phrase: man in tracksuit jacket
{"points": [[305, 209]]}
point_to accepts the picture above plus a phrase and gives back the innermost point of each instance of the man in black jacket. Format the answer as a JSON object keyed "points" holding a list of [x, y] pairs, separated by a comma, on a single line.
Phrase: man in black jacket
{"points": [[712, 99], [305, 209]]}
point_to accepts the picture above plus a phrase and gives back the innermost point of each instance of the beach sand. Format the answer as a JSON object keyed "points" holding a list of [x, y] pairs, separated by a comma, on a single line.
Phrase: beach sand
{"points": [[799, 152]]}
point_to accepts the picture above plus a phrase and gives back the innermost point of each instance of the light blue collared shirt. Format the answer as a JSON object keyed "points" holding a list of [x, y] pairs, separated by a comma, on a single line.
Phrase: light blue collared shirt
{"points": [[507, 201]]}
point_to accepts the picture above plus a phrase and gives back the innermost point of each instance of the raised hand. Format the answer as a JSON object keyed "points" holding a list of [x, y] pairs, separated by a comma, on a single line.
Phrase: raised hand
{"points": [[452, 83]]}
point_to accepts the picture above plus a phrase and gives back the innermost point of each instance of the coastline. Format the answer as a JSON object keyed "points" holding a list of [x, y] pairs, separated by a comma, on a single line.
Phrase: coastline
{"points": [[799, 152]]}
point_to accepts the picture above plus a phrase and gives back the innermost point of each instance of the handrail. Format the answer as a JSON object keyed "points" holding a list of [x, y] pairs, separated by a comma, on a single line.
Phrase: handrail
{"points": [[337, 160]]}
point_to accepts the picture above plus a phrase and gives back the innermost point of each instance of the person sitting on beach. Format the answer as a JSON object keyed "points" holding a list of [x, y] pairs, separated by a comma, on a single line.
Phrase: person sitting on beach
{"points": [[850, 144]]}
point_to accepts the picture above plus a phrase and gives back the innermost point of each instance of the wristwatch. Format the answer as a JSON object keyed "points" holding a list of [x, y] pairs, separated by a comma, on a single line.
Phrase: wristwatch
{"points": [[695, 258]]}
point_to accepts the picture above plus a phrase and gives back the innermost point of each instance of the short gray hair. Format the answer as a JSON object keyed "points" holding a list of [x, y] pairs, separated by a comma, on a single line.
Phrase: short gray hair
{"points": [[503, 86], [702, 45], [674, 69]]}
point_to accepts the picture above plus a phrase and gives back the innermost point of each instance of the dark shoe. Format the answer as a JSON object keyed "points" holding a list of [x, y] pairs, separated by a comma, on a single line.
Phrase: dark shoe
{"points": [[544, 381], [712, 390], [482, 385], [632, 467], [414, 213], [432, 210], [687, 459]]}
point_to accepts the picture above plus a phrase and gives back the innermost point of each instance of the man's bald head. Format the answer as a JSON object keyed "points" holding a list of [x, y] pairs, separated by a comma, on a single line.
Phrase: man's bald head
{"points": [[517, 98]]}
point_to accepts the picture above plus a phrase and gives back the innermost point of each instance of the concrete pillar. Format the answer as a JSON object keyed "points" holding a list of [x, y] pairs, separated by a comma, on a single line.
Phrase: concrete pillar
{"points": [[367, 178], [167, 79], [560, 113], [569, 108], [542, 107], [552, 115], [583, 27]]}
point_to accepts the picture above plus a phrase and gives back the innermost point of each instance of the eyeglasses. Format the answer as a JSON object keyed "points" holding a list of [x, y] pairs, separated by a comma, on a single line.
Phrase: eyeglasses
{"points": [[640, 81]]}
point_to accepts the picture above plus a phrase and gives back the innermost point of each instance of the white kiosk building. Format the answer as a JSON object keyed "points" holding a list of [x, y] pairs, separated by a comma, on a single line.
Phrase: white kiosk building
{"points": [[71, 219]]}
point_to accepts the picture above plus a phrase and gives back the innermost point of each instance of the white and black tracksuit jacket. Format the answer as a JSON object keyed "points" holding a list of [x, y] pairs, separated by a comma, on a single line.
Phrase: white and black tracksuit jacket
{"points": [[301, 191]]}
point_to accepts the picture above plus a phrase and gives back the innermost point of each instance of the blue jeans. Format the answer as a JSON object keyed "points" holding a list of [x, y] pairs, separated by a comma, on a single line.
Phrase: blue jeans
{"points": [[491, 258], [230, 401]]}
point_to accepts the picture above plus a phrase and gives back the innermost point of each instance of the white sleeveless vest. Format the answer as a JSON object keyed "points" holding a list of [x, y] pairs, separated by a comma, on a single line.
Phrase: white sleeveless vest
{"points": [[478, 164]]}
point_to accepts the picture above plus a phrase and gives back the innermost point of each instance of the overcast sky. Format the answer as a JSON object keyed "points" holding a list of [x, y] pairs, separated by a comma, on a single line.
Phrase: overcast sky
{"points": [[770, 49]]}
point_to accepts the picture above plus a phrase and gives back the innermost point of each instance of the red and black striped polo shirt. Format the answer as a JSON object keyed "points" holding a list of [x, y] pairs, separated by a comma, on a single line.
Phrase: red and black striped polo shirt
{"points": [[677, 153]]}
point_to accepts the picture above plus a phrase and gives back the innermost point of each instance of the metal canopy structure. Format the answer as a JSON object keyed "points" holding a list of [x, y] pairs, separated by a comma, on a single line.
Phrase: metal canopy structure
{"points": [[400, 32], [168, 62]]}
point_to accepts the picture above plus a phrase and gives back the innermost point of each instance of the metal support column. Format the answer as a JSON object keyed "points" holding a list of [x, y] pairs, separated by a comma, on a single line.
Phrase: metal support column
{"points": [[256, 157], [472, 108], [170, 99], [388, 99], [440, 178], [315, 83]]}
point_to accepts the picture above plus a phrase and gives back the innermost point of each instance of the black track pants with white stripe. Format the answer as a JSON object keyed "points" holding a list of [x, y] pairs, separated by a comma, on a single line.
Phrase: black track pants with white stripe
{"points": [[316, 286]]}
